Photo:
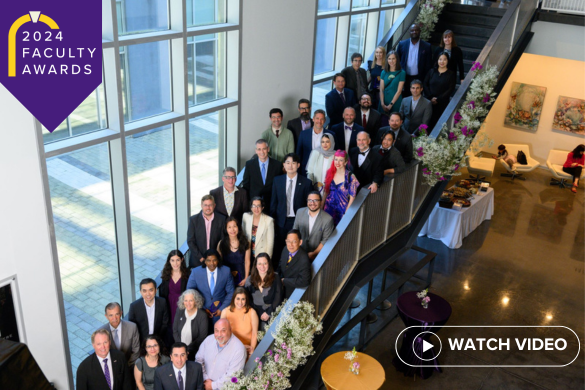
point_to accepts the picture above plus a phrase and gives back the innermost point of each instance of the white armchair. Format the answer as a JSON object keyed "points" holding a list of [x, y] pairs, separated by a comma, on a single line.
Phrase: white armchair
{"points": [[554, 162], [480, 166], [519, 169]]}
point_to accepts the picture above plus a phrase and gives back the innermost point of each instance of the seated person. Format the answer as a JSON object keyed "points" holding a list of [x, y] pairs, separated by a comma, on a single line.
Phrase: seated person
{"points": [[265, 288], [234, 248], [146, 365], [214, 283], [295, 267], [243, 319], [392, 161], [221, 355], [574, 165], [149, 313], [314, 224], [191, 322], [508, 158]]}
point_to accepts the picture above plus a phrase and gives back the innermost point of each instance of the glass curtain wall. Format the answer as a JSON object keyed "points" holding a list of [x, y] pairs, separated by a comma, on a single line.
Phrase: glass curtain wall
{"points": [[129, 166]]}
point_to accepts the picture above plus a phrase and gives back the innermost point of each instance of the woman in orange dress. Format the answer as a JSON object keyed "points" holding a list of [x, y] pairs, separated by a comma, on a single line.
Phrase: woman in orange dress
{"points": [[243, 319]]}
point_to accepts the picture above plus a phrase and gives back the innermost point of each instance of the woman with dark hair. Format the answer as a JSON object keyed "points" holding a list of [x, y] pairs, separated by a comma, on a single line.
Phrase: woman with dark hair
{"points": [[151, 358], [340, 187], [320, 161], [191, 323], [235, 250], [391, 85], [243, 320], [259, 228], [265, 288], [174, 281], [438, 86], [449, 46], [574, 165]]}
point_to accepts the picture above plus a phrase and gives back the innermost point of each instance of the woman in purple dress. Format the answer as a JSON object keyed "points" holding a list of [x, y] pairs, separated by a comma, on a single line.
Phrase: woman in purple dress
{"points": [[340, 187], [235, 251], [174, 281]]}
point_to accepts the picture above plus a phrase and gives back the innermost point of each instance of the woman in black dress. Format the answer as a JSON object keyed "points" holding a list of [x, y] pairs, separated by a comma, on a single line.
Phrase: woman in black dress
{"points": [[438, 86], [449, 46]]}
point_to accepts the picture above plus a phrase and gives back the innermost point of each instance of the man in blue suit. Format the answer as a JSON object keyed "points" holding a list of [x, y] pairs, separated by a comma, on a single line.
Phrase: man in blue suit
{"points": [[310, 139], [289, 193], [338, 99], [345, 133], [214, 283], [416, 57]]}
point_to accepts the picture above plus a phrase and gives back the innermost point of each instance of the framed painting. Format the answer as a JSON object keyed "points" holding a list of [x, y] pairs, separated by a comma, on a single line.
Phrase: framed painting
{"points": [[570, 115], [525, 106]]}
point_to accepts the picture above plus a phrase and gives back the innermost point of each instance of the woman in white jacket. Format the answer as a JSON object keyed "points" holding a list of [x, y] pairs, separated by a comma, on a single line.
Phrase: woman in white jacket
{"points": [[259, 228]]}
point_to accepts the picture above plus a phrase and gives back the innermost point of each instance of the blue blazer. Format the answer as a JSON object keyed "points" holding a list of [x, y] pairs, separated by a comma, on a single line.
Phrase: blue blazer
{"points": [[305, 147], [224, 286], [425, 57], [278, 205], [339, 134], [334, 105]]}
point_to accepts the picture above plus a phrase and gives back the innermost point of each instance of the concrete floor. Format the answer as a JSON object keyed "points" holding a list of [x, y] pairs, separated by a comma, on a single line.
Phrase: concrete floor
{"points": [[532, 253]]}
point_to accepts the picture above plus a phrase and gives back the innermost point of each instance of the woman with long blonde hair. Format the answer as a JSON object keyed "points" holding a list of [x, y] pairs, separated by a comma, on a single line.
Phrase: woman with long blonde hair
{"points": [[375, 68]]}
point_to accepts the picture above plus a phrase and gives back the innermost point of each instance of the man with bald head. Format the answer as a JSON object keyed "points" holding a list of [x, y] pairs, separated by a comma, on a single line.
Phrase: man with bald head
{"points": [[221, 355], [366, 165], [345, 133]]}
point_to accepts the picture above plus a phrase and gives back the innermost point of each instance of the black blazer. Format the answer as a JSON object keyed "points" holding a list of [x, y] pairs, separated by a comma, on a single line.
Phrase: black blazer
{"points": [[391, 159], [374, 120], [137, 314], [199, 327], [90, 375], [295, 274], [339, 135], [403, 143], [197, 236], [241, 203], [455, 61], [351, 81], [165, 379], [371, 169], [273, 298], [425, 56], [252, 181], [335, 106], [278, 209], [295, 126]]}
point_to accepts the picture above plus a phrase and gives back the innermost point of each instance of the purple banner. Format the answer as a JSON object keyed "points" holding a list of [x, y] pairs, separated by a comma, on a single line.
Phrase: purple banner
{"points": [[51, 57]]}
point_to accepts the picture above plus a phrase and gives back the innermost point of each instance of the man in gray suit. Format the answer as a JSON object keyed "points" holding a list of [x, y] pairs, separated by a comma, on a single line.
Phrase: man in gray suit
{"points": [[315, 225], [123, 334], [416, 109]]}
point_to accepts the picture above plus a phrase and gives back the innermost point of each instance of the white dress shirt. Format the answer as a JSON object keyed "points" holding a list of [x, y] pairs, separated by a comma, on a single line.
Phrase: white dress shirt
{"points": [[316, 139], [109, 363], [183, 374], [347, 134], [291, 210], [312, 220], [150, 316], [412, 64], [367, 114], [214, 278], [361, 158]]}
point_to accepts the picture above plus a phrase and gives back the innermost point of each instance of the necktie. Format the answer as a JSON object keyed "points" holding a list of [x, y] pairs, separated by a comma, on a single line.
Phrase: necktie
{"points": [[116, 339], [342, 96], [263, 173], [212, 283], [107, 374], [180, 381], [277, 133], [364, 121], [289, 258], [288, 196]]}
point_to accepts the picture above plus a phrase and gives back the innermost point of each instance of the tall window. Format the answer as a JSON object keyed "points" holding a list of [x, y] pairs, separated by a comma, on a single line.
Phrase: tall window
{"points": [[129, 166]]}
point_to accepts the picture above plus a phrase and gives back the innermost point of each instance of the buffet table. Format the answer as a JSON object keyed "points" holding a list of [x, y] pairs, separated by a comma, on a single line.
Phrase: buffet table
{"points": [[452, 226]]}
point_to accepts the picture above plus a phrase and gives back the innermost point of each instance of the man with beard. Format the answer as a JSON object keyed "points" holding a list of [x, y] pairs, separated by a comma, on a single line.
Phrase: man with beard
{"points": [[403, 140], [367, 117], [315, 225], [303, 122], [416, 57]]}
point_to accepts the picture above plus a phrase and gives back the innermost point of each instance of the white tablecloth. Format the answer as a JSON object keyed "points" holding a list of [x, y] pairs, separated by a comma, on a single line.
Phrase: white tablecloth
{"points": [[451, 226]]}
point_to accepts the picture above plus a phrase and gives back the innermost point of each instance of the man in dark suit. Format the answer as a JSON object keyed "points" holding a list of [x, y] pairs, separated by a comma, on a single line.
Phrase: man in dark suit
{"points": [[260, 173], [403, 140], [294, 267], [315, 225], [289, 194], [337, 100], [345, 133], [366, 165], [416, 109], [303, 122], [105, 369], [123, 334], [311, 139], [356, 77], [367, 117], [416, 57], [149, 313], [180, 373], [392, 161], [230, 201], [206, 229]]}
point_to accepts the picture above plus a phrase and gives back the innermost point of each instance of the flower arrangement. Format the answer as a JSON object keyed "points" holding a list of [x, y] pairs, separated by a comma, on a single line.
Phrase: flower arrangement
{"points": [[293, 342], [429, 16], [354, 365], [442, 157], [425, 299]]}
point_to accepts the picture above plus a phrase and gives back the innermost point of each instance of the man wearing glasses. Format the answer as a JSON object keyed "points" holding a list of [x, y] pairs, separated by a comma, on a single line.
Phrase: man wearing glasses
{"points": [[294, 267], [231, 201], [315, 225], [356, 77], [303, 122]]}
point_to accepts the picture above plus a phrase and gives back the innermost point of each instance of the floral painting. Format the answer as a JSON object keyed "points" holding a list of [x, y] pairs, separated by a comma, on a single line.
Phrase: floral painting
{"points": [[570, 115], [525, 106]]}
